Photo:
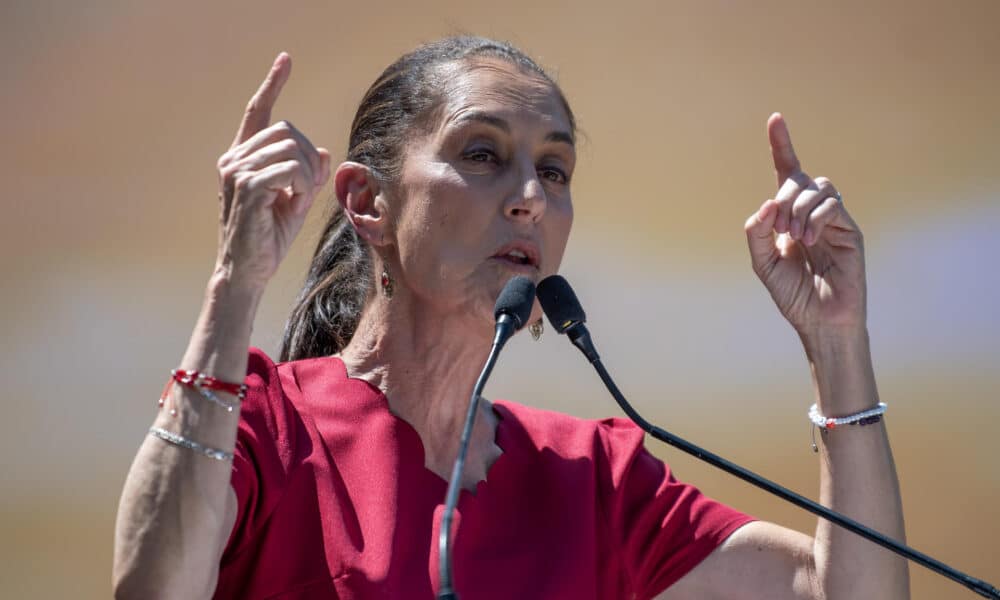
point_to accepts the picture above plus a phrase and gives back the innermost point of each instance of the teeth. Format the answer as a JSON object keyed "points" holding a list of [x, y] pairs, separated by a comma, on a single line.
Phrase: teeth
{"points": [[518, 254]]}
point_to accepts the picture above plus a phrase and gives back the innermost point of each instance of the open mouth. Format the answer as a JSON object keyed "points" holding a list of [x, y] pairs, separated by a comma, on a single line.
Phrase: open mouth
{"points": [[519, 253], [517, 257]]}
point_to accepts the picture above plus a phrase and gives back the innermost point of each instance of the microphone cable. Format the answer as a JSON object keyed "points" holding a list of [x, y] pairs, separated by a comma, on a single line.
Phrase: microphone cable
{"points": [[567, 317]]}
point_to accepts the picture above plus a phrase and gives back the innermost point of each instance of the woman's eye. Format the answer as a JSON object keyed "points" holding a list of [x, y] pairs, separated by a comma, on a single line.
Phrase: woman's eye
{"points": [[553, 174], [481, 155]]}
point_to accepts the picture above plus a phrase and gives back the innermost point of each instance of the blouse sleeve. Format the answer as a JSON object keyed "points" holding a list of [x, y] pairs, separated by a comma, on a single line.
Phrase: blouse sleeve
{"points": [[662, 527], [262, 456]]}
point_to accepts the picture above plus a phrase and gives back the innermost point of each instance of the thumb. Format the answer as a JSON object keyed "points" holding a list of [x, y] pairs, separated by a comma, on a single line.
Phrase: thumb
{"points": [[760, 233]]}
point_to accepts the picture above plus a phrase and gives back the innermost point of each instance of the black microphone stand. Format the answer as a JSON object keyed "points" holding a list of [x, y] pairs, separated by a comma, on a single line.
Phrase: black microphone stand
{"points": [[446, 591], [580, 337], [512, 310]]}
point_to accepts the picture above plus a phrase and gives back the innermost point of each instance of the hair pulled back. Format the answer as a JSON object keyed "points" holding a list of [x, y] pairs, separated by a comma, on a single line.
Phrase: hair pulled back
{"points": [[340, 278]]}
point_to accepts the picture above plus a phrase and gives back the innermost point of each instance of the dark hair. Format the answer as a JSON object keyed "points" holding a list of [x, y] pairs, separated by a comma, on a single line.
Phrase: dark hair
{"points": [[328, 308]]}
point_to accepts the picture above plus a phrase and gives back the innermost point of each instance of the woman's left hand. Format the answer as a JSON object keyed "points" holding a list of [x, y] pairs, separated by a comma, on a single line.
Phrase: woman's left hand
{"points": [[806, 249]]}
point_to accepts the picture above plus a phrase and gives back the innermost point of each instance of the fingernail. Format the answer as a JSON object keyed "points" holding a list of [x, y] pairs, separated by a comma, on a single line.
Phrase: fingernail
{"points": [[796, 229], [809, 238]]}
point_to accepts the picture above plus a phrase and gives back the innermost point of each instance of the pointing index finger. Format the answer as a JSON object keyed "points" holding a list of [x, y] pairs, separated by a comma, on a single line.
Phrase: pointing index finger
{"points": [[786, 163], [258, 112]]}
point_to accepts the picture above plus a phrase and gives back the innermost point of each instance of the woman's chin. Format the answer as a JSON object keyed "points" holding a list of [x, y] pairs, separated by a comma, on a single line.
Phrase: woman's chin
{"points": [[512, 268]]}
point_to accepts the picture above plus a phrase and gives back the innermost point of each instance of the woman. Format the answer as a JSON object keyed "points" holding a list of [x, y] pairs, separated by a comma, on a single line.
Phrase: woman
{"points": [[457, 178]]}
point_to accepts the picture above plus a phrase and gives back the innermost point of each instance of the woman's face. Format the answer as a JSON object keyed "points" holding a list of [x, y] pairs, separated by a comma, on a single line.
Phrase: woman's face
{"points": [[484, 195]]}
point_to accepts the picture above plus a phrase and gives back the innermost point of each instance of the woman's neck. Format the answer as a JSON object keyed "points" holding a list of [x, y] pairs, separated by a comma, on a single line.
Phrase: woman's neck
{"points": [[426, 364]]}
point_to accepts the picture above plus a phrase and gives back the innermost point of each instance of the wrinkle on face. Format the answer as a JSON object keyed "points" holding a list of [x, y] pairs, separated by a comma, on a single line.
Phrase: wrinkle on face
{"points": [[451, 211], [474, 83]]}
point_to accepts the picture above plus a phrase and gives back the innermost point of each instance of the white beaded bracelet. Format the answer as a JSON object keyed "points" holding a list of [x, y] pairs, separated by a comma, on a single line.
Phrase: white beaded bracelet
{"points": [[865, 417]]}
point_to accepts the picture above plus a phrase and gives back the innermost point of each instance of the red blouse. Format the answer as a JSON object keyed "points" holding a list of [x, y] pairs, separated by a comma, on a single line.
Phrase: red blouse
{"points": [[335, 502]]}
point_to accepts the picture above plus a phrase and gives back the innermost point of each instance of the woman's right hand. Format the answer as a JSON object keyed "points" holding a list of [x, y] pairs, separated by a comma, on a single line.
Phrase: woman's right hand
{"points": [[268, 179], [178, 507]]}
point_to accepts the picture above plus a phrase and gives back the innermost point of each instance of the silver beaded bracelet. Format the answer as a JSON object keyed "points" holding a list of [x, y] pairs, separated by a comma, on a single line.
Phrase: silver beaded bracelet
{"points": [[183, 442], [213, 398]]}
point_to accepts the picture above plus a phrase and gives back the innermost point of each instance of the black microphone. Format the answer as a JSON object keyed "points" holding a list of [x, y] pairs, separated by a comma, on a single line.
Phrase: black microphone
{"points": [[566, 315], [513, 308], [512, 311]]}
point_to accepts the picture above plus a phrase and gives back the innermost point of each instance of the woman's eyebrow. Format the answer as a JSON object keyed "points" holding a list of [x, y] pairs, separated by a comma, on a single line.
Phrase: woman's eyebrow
{"points": [[561, 136], [501, 124], [481, 117]]}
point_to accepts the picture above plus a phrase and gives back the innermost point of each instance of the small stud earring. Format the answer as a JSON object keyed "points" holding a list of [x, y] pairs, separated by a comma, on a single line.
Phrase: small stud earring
{"points": [[536, 329], [386, 282]]}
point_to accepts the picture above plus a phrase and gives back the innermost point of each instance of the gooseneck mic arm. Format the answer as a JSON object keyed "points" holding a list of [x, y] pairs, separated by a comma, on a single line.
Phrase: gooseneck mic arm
{"points": [[567, 316], [513, 308]]}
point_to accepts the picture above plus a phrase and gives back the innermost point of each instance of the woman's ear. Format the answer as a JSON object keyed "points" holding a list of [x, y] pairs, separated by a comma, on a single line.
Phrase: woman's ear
{"points": [[359, 194]]}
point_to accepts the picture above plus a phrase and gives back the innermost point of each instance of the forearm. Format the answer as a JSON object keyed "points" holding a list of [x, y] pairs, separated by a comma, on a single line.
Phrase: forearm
{"points": [[857, 475], [176, 513]]}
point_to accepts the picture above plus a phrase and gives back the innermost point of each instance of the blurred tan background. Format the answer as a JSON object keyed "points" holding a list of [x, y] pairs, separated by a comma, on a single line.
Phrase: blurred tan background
{"points": [[114, 113]]}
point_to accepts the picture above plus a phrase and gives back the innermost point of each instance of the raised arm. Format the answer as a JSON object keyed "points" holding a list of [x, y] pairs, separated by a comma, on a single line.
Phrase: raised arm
{"points": [[177, 509], [809, 254]]}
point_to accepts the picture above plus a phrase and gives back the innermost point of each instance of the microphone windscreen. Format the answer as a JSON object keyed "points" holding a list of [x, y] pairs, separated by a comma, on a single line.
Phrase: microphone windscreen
{"points": [[560, 303], [516, 299]]}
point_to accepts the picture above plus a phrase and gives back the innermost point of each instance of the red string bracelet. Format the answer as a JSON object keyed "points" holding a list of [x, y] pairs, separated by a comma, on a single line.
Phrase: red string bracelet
{"points": [[204, 384]]}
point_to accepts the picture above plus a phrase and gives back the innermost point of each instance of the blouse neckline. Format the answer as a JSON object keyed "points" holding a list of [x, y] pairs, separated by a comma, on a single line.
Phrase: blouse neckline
{"points": [[502, 435]]}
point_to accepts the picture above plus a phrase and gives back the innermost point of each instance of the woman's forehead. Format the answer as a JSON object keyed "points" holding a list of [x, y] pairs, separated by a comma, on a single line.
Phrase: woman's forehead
{"points": [[497, 88]]}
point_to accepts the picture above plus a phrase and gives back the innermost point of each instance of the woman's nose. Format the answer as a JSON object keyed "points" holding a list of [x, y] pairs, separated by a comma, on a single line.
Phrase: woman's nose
{"points": [[527, 201]]}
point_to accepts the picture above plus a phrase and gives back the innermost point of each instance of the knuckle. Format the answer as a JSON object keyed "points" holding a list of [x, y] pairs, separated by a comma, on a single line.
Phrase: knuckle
{"points": [[228, 173], [288, 145], [800, 177], [253, 105], [242, 182], [224, 160], [302, 169], [789, 191], [804, 204], [290, 167], [302, 162]]}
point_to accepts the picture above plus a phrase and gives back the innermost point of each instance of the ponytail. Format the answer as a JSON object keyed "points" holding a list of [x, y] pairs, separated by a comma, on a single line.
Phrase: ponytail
{"points": [[328, 308]]}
